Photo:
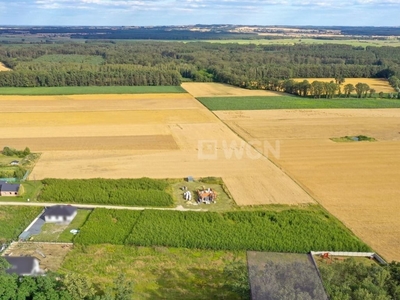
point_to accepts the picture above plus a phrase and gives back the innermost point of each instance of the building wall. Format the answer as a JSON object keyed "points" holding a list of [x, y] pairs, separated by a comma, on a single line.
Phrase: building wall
{"points": [[9, 194]]}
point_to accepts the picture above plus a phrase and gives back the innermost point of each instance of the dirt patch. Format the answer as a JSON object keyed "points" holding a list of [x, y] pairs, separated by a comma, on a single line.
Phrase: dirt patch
{"points": [[356, 182], [379, 84], [3, 68], [212, 89], [54, 253]]}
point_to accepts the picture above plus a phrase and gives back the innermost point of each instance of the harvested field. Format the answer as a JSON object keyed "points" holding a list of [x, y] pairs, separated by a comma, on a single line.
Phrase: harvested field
{"points": [[54, 253], [213, 89], [3, 67], [140, 142], [379, 84], [357, 182], [142, 136]]}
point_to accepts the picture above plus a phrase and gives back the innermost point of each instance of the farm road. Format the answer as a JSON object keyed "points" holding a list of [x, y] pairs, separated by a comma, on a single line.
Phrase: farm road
{"points": [[43, 204]]}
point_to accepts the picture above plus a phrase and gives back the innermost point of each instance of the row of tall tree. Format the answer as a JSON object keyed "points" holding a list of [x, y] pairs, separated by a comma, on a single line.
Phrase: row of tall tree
{"points": [[316, 88]]}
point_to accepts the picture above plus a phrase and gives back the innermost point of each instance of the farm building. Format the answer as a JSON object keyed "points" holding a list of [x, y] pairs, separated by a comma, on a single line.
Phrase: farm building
{"points": [[14, 163], [23, 265], [8, 189], [60, 214]]}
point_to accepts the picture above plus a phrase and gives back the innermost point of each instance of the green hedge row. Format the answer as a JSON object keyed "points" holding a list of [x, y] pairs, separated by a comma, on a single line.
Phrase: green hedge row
{"points": [[286, 231], [135, 192]]}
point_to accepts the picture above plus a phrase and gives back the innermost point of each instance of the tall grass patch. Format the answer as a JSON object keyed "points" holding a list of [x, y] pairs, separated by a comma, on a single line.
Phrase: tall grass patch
{"points": [[135, 192], [107, 226], [14, 219]]}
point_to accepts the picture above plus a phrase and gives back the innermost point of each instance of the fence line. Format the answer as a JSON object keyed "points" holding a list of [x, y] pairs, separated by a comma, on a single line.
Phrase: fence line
{"points": [[353, 254]]}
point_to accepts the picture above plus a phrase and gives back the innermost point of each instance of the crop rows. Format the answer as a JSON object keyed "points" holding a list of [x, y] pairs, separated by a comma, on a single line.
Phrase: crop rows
{"points": [[135, 192], [287, 231], [107, 226], [14, 219]]}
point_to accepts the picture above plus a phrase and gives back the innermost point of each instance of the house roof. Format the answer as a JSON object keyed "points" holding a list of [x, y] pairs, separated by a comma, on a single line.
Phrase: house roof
{"points": [[8, 187], [20, 264], [60, 210]]}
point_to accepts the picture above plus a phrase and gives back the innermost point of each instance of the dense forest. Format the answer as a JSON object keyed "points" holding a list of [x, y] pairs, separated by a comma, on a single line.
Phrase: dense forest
{"points": [[167, 63]]}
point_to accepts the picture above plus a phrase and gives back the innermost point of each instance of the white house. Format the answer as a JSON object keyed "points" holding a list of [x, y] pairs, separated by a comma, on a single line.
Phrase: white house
{"points": [[23, 265], [60, 214]]}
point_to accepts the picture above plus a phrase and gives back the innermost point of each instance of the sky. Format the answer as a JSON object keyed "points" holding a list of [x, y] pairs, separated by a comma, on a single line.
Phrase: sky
{"points": [[188, 12]]}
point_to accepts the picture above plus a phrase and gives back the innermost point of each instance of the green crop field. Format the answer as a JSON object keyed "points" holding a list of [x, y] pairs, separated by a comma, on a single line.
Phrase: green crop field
{"points": [[14, 219], [285, 231], [70, 58], [84, 90], [134, 192], [157, 272], [293, 102]]}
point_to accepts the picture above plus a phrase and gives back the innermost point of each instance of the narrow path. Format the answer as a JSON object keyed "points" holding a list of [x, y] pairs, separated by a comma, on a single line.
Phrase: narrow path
{"points": [[43, 204]]}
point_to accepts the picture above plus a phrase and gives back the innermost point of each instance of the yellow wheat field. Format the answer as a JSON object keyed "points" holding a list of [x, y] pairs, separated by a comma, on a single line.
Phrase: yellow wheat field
{"points": [[357, 182], [131, 136], [212, 89], [378, 84]]}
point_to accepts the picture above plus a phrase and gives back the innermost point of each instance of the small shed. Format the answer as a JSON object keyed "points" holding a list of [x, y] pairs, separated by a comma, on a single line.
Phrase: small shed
{"points": [[60, 214], [14, 163], [189, 179]]}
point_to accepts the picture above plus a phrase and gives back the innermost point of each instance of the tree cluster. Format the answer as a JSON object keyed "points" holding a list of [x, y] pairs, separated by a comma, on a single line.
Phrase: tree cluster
{"points": [[358, 281], [7, 151], [53, 286]]}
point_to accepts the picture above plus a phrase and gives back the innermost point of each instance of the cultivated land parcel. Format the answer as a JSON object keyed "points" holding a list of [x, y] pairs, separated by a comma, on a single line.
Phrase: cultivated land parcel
{"points": [[152, 135], [356, 182]]}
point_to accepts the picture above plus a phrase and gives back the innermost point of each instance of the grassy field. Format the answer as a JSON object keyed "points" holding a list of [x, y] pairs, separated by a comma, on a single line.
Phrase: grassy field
{"points": [[14, 219], [157, 272], [71, 58], [84, 90], [292, 102], [61, 233]]}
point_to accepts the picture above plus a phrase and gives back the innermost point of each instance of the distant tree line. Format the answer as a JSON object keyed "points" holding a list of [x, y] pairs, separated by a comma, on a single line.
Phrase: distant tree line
{"points": [[167, 63]]}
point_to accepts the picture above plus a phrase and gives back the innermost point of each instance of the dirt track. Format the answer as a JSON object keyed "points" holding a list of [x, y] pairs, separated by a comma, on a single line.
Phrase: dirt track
{"points": [[130, 136], [357, 182]]}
